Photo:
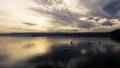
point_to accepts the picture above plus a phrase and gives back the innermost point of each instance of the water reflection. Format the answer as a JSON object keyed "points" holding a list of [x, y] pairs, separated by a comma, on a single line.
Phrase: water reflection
{"points": [[58, 52], [17, 49]]}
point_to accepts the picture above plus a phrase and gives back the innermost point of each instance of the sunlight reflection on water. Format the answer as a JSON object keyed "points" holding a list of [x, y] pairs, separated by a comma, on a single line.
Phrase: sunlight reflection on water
{"points": [[15, 52]]}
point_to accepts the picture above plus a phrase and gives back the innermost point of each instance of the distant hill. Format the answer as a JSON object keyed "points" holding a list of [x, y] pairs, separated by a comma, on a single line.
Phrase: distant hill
{"points": [[58, 34], [115, 33]]}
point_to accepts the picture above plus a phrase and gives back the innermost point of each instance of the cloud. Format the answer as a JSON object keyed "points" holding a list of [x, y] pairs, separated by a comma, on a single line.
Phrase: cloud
{"points": [[86, 24], [112, 8], [65, 16], [102, 8], [94, 18], [69, 12], [30, 24], [107, 23], [52, 14], [48, 2], [72, 30]]}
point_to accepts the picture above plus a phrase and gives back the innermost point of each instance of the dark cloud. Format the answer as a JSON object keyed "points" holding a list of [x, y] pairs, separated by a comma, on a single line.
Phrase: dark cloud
{"points": [[30, 24], [97, 19], [113, 7], [95, 7], [85, 24], [107, 23], [92, 18], [102, 8]]}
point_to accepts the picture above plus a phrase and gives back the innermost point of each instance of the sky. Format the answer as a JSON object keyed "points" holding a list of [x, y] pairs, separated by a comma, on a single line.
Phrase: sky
{"points": [[59, 15]]}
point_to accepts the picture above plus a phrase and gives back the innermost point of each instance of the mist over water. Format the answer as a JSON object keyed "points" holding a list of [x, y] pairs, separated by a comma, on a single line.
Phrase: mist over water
{"points": [[59, 52]]}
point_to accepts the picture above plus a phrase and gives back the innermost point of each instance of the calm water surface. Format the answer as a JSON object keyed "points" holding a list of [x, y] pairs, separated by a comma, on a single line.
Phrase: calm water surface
{"points": [[58, 52]]}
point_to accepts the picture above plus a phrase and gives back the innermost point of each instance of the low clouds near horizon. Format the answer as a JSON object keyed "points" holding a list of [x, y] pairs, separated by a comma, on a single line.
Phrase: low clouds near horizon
{"points": [[63, 15]]}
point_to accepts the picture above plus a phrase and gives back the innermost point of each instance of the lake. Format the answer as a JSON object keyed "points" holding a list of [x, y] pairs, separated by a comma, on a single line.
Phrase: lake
{"points": [[59, 52]]}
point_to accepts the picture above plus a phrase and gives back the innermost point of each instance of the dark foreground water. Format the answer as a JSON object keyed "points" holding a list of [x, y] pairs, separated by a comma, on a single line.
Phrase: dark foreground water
{"points": [[59, 52]]}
